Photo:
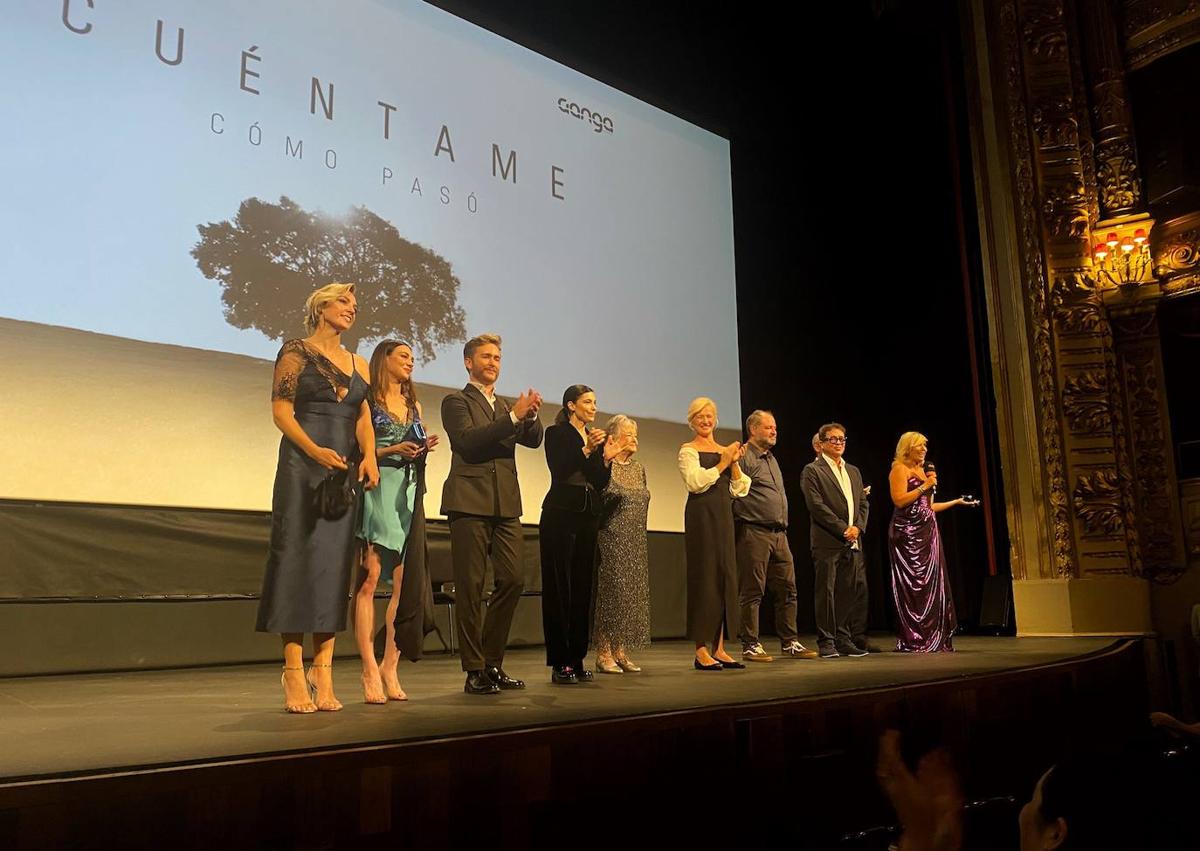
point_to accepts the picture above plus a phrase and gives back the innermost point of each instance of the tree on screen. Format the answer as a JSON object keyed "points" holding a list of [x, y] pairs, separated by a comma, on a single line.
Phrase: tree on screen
{"points": [[271, 256]]}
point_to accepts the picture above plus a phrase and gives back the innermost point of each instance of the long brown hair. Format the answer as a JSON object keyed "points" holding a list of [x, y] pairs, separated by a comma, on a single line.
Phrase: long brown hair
{"points": [[380, 379]]}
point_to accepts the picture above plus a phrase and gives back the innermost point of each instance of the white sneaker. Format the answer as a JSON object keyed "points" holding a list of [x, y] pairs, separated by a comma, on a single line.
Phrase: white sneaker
{"points": [[796, 650], [755, 653]]}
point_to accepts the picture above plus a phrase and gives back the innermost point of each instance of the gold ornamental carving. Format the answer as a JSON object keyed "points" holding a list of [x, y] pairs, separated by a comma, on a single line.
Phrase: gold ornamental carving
{"points": [[1077, 305], [1086, 403], [1117, 176], [1034, 286], [1156, 28], [1175, 249], [1065, 206], [1098, 502]]}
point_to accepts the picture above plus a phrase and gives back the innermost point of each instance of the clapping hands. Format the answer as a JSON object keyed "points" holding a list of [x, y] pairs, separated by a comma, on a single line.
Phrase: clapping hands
{"points": [[527, 405]]}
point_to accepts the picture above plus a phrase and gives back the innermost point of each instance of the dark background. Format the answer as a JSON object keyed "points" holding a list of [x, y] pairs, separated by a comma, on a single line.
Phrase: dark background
{"points": [[853, 227]]}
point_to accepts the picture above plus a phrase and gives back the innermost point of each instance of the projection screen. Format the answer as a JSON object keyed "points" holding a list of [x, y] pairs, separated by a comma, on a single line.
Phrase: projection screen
{"points": [[178, 176]]}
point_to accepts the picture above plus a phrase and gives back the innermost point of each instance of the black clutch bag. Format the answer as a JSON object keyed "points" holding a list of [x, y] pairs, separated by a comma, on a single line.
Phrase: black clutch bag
{"points": [[337, 492]]}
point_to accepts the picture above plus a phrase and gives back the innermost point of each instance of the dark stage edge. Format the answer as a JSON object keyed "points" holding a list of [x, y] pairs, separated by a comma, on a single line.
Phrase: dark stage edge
{"points": [[90, 725]]}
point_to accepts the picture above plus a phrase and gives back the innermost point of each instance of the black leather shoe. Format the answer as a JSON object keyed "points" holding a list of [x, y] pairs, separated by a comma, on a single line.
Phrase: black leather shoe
{"points": [[502, 680], [563, 675], [582, 674], [848, 649], [731, 665], [479, 683], [715, 666]]}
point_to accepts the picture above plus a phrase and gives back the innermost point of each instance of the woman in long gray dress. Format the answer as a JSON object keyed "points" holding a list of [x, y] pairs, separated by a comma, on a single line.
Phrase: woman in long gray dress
{"points": [[713, 479], [318, 401], [622, 617]]}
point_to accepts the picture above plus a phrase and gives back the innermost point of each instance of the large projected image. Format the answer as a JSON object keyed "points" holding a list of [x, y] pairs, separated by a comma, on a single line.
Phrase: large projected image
{"points": [[179, 176]]}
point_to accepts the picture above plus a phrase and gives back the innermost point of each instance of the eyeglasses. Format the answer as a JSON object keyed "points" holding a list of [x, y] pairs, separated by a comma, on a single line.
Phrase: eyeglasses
{"points": [[835, 440]]}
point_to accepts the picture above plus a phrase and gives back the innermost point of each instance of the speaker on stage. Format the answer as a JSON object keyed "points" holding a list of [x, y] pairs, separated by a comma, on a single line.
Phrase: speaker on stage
{"points": [[995, 612]]}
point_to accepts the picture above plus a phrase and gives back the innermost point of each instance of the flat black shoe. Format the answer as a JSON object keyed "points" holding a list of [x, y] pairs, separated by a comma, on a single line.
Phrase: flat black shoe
{"points": [[563, 675], [715, 666], [502, 680], [732, 665], [479, 683]]}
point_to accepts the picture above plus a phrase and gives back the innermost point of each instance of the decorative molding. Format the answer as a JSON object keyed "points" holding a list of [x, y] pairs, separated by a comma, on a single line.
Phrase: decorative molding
{"points": [[1117, 176], [1156, 28], [1077, 303], [1175, 249], [1065, 206], [1086, 403], [1098, 503], [1034, 286]]}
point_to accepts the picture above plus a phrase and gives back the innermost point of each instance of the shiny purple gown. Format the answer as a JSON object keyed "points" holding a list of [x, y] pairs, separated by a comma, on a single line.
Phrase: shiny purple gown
{"points": [[924, 604]]}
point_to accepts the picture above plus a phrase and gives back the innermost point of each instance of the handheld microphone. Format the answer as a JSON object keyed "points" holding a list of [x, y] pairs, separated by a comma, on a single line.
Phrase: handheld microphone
{"points": [[930, 468]]}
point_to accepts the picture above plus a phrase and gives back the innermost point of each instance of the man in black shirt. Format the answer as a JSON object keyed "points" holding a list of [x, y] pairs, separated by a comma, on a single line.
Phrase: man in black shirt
{"points": [[764, 557]]}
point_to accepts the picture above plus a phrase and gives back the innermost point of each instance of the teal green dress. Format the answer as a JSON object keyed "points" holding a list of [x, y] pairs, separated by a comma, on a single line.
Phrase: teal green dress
{"points": [[387, 517]]}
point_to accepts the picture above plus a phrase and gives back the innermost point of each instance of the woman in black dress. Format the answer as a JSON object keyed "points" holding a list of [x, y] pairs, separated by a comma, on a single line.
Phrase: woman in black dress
{"points": [[318, 401], [713, 479], [580, 461]]}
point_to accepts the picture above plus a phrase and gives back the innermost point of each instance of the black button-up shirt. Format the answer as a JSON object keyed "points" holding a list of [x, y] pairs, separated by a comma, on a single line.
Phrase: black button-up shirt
{"points": [[766, 504]]}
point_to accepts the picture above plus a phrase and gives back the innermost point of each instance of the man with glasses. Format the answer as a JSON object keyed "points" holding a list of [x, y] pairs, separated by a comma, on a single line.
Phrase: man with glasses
{"points": [[837, 509]]}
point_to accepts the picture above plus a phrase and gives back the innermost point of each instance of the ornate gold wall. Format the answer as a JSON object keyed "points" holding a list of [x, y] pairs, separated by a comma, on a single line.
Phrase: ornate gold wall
{"points": [[1092, 498]]}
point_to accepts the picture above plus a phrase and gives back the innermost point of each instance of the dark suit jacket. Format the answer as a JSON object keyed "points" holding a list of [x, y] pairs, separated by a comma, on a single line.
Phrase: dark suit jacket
{"points": [[575, 481], [483, 469], [827, 509]]}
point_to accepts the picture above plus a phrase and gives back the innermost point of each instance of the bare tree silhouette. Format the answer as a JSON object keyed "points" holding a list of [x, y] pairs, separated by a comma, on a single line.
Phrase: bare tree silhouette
{"points": [[271, 256]]}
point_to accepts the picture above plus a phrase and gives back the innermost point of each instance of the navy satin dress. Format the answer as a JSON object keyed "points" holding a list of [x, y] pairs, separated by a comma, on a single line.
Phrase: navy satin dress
{"points": [[306, 587], [924, 603]]}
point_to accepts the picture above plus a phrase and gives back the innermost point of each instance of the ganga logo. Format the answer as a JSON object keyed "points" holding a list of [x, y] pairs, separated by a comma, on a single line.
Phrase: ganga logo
{"points": [[599, 123]]}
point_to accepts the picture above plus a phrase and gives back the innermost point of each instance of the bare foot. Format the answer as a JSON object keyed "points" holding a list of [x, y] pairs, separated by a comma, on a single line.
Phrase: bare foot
{"points": [[391, 685], [296, 696], [372, 688], [320, 677], [704, 657], [722, 656]]}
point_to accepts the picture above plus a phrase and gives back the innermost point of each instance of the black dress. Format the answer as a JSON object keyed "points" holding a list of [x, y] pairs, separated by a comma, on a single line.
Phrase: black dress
{"points": [[567, 538], [708, 535], [306, 587]]}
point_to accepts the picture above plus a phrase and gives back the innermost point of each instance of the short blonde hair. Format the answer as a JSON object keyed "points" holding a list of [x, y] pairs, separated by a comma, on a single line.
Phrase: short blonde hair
{"points": [[699, 404], [909, 441], [479, 341], [320, 299]]}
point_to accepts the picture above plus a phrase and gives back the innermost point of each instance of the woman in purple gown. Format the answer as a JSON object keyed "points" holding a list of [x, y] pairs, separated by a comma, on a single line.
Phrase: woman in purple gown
{"points": [[924, 604]]}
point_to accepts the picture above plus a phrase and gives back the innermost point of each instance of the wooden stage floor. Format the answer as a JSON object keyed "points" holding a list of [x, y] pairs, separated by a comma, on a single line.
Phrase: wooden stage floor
{"points": [[104, 724]]}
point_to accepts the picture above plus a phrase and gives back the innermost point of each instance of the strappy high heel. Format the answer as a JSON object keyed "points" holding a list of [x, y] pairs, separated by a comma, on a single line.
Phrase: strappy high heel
{"points": [[367, 697], [334, 705], [296, 708]]}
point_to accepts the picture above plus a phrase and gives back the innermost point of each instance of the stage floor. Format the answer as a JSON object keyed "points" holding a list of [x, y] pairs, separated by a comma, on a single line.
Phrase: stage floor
{"points": [[89, 724]]}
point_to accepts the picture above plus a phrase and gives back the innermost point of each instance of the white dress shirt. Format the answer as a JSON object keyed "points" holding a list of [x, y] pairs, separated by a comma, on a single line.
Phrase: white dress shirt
{"points": [[838, 466], [699, 479], [489, 393]]}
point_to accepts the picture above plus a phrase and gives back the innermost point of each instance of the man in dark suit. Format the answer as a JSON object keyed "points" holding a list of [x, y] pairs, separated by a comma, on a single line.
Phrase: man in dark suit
{"points": [[837, 508], [482, 500]]}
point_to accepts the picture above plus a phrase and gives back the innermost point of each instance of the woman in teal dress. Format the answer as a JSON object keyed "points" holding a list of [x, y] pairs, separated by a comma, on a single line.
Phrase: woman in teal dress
{"points": [[393, 525]]}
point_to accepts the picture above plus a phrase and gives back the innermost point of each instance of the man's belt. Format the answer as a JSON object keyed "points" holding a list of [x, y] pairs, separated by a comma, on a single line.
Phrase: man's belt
{"points": [[771, 527]]}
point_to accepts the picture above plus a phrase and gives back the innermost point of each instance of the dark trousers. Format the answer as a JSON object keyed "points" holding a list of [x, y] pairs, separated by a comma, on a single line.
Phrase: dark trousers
{"points": [[765, 560], [483, 637], [840, 596], [568, 548]]}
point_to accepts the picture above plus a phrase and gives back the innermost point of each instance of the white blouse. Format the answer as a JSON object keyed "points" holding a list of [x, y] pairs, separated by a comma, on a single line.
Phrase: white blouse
{"points": [[699, 479]]}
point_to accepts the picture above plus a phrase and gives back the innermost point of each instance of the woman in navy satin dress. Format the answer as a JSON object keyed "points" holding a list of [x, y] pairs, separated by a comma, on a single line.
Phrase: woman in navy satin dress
{"points": [[319, 402], [924, 603]]}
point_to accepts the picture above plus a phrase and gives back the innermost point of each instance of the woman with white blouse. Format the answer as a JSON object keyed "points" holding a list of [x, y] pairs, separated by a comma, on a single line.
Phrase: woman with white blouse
{"points": [[713, 479]]}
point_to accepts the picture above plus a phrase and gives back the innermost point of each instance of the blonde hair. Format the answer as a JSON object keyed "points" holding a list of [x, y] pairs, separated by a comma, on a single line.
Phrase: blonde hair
{"points": [[699, 404], [477, 342], [908, 441], [320, 299]]}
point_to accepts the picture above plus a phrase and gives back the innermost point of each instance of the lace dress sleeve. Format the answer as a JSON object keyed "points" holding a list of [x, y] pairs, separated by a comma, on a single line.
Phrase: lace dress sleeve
{"points": [[288, 366]]}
